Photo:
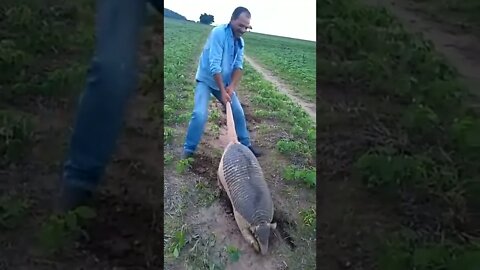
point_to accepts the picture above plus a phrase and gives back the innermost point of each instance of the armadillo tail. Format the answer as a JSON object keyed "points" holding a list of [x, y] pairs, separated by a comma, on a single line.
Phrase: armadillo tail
{"points": [[231, 132]]}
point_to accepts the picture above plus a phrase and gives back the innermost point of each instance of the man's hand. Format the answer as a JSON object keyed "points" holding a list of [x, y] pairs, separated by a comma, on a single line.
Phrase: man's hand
{"points": [[225, 96], [230, 90]]}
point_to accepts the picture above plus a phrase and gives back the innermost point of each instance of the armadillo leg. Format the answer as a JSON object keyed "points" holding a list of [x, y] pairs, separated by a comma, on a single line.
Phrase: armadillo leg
{"points": [[243, 226], [219, 184], [248, 236], [219, 174]]}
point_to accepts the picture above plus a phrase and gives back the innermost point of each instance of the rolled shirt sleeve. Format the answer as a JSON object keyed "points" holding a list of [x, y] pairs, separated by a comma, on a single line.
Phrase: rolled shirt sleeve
{"points": [[239, 59], [216, 51]]}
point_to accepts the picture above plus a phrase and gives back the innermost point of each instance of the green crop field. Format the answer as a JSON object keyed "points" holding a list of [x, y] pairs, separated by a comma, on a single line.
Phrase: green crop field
{"points": [[395, 123], [199, 232], [45, 49], [291, 60]]}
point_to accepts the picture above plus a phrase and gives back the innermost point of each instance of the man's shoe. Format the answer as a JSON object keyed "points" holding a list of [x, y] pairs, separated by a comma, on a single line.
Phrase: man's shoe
{"points": [[72, 197], [186, 155], [255, 151]]}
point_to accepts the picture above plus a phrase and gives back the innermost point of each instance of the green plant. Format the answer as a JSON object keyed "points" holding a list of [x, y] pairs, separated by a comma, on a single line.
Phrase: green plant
{"points": [[183, 164], [308, 176], [16, 132], [308, 217], [168, 158], [168, 134], [233, 253], [178, 242], [293, 148], [59, 230], [12, 210], [378, 169]]}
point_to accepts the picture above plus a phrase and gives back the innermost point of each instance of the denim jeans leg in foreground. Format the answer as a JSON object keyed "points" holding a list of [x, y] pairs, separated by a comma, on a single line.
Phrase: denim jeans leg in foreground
{"points": [[111, 79]]}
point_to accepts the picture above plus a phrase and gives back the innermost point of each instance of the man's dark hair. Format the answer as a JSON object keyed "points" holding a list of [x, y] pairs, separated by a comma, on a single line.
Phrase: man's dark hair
{"points": [[238, 11]]}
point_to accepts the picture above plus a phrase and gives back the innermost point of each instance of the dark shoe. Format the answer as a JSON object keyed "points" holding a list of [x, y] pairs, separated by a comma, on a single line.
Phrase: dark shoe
{"points": [[186, 155], [72, 197], [255, 151]]}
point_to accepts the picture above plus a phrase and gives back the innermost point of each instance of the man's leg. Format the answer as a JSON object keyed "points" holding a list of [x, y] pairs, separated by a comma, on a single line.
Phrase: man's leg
{"points": [[198, 120], [110, 80]]}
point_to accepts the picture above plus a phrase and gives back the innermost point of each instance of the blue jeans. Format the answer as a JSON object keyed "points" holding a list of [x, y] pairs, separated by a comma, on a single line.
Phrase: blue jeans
{"points": [[200, 117], [111, 79]]}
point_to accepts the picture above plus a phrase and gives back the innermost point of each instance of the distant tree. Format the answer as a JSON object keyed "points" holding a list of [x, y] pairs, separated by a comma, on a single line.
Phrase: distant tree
{"points": [[206, 18]]}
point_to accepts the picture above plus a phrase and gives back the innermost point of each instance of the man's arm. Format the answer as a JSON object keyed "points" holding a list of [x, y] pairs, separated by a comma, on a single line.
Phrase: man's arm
{"points": [[236, 76], [238, 70], [215, 57]]}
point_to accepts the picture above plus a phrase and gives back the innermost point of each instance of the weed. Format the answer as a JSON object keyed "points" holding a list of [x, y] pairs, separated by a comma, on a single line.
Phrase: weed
{"points": [[308, 217], [264, 113], [214, 116], [168, 158], [385, 170], [215, 130], [466, 135], [12, 211], [168, 134], [200, 255], [402, 251], [16, 131], [184, 164], [293, 148], [233, 253], [308, 176], [206, 195], [178, 242], [59, 230]]}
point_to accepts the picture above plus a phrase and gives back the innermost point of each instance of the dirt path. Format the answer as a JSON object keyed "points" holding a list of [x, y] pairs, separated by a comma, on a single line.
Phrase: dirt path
{"points": [[310, 108], [461, 50]]}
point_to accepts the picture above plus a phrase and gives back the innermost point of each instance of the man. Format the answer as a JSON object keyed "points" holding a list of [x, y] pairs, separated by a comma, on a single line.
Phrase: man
{"points": [[111, 78], [218, 73]]}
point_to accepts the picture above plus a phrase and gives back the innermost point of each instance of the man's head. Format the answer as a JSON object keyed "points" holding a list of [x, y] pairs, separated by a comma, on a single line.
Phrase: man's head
{"points": [[240, 21]]}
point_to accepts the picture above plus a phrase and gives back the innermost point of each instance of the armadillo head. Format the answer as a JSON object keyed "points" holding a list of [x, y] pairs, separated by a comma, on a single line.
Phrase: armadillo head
{"points": [[262, 234]]}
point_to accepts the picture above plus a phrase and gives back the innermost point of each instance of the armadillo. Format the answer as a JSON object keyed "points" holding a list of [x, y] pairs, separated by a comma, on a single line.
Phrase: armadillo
{"points": [[241, 176]]}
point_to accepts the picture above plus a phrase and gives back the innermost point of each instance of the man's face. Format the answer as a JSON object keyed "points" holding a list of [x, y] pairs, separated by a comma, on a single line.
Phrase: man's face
{"points": [[241, 25]]}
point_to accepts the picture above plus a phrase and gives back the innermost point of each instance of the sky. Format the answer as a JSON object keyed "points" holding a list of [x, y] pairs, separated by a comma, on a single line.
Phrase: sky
{"points": [[288, 20]]}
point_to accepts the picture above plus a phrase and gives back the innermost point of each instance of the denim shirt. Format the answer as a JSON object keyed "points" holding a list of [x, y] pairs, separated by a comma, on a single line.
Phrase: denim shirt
{"points": [[221, 53]]}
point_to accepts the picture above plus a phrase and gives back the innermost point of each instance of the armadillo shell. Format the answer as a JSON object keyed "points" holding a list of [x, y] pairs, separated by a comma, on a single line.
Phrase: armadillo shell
{"points": [[245, 181]]}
